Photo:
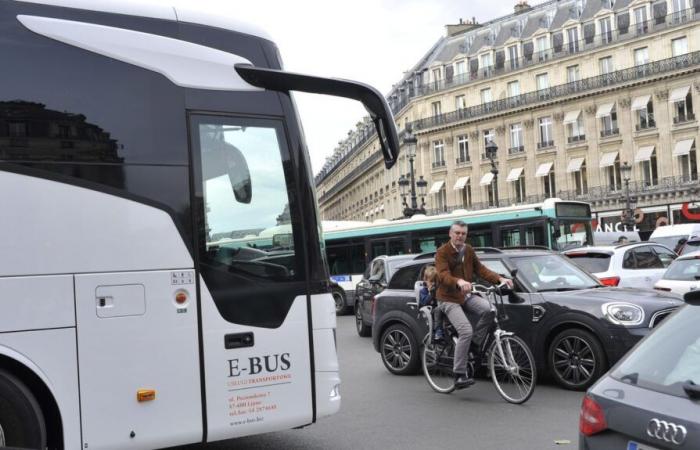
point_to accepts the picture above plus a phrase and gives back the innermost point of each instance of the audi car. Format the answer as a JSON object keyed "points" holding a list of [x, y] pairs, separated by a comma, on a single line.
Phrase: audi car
{"points": [[651, 398], [575, 326]]}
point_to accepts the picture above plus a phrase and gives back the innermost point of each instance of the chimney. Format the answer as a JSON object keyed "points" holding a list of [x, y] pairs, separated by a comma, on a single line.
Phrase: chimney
{"points": [[462, 27], [522, 6]]}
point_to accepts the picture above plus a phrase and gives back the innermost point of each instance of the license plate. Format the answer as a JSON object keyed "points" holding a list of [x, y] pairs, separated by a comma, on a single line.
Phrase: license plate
{"points": [[631, 445], [339, 278]]}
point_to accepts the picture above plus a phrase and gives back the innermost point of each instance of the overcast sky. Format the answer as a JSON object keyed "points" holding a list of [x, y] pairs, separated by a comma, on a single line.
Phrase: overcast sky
{"points": [[373, 41]]}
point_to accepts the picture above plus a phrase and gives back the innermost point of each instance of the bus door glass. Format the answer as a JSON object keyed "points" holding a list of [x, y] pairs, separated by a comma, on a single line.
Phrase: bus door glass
{"points": [[396, 247], [535, 234], [480, 237], [378, 248], [510, 236], [252, 287]]}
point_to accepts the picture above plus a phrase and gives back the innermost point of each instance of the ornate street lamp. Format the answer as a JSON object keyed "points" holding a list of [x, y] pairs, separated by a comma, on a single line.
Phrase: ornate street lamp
{"points": [[628, 214], [409, 142], [491, 154]]}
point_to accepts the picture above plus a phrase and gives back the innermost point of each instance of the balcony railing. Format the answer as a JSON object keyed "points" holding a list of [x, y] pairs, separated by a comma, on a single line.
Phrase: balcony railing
{"points": [[683, 118], [545, 144], [463, 160], [438, 164], [517, 149], [609, 132], [575, 139], [646, 125], [667, 184]]}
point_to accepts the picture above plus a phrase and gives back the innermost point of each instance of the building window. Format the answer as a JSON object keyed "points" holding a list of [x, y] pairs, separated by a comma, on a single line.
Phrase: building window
{"points": [[640, 20], [437, 108], [580, 179], [437, 75], [546, 134], [460, 102], [612, 173], [486, 63], [441, 199], [489, 136], [689, 165], [519, 188], [683, 109], [542, 80], [608, 124], [463, 148], [548, 184], [572, 74], [439, 153], [645, 117], [17, 129], [467, 195], [576, 129], [680, 11], [516, 138], [605, 65], [679, 46], [641, 56], [490, 194], [605, 27], [572, 37], [513, 57], [650, 175], [460, 67], [513, 89], [486, 95], [541, 47]]}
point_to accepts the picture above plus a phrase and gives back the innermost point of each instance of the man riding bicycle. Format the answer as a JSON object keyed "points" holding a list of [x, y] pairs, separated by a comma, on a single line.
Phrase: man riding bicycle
{"points": [[456, 264]]}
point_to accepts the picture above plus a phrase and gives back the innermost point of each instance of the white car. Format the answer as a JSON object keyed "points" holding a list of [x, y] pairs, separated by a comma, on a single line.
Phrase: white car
{"points": [[682, 276], [638, 265]]}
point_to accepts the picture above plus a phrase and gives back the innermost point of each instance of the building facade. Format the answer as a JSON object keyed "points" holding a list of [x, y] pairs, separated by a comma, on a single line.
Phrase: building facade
{"points": [[572, 93]]}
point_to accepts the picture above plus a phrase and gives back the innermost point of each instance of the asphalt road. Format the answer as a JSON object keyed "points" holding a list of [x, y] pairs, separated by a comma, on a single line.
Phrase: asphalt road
{"points": [[384, 411]]}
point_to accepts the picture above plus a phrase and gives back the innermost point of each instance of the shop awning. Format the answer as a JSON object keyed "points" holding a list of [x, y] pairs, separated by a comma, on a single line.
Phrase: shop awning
{"points": [[435, 188], [640, 102], [571, 116], [514, 174], [486, 179], [461, 182], [604, 110], [678, 94], [683, 147], [543, 169], [608, 159], [644, 154], [575, 165]]}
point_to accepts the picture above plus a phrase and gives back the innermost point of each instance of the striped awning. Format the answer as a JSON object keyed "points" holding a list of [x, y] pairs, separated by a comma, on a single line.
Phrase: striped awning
{"points": [[644, 153], [608, 159], [683, 147], [678, 94], [461, 182], [543, 169], [604, 110], [640, 102], [575, 165], [435, 188], [514, 174], [571, 116]]}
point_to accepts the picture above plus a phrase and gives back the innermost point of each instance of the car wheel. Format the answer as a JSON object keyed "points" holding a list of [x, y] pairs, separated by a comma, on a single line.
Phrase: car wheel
{"points": [[399, 349], [339, 299], [576, 359], [362, 329], [21, 420]]}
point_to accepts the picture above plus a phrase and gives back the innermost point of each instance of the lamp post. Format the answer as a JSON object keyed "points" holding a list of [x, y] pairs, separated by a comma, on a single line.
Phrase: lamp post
{"points": [[491, 153], [628, 214], [409, 142]]}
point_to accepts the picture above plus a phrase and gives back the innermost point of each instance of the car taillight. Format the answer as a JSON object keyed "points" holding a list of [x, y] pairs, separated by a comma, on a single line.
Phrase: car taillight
{"points": [[592, 418], [658, 288], [374, 307], [610, 281]]}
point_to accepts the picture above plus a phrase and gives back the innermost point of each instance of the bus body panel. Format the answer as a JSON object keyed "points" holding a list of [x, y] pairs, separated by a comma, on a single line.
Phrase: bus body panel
{"points": [[46, 353], [32, 303], [133, 335], [261, 387]]}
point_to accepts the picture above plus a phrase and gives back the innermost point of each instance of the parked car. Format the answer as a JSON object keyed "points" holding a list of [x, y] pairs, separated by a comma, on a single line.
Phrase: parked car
{"points": [[638, 265], [575, 326], [650, 399], [615, 237], [373, 281], [683, 275], [690, 246], [675, 236]]}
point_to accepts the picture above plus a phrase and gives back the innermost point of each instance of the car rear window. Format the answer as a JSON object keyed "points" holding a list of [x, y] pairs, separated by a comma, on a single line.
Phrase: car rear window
{"points": [[690, 246], [668, 358], [405, 277], [592, 262], [684, 270]]}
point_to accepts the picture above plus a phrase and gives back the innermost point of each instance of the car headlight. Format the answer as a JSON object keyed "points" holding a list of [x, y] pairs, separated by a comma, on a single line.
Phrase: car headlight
{"points": [[626, 314]]}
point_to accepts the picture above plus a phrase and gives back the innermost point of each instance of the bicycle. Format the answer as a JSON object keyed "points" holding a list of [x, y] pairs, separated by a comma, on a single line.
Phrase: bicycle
{"points": [[510, 362]]}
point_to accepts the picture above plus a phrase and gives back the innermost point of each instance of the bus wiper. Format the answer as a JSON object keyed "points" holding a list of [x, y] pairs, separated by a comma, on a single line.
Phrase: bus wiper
{"points": [[630, 378], [691, 389]]}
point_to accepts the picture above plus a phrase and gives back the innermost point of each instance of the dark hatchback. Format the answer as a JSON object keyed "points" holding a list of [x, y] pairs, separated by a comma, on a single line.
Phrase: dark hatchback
{"points": [[575, 327]]}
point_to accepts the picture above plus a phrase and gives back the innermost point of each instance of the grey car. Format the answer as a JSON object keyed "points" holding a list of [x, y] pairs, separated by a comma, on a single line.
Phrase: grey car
{"points": [[651, 398]]}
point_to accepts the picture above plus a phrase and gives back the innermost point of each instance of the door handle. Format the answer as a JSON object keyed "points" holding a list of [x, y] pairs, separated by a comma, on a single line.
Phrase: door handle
{"points": [[238, 340]]}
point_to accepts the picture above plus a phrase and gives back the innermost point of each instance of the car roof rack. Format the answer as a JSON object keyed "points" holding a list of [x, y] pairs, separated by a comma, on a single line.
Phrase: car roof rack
{"points": [[425, 256], [488, 250]]}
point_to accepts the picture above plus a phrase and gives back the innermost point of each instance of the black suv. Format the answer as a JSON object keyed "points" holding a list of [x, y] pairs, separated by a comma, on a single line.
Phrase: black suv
{"points": [[575, 327]]}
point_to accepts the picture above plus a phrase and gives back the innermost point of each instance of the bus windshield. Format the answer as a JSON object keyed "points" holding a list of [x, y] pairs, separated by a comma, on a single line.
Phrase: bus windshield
{"points": [[572, 233]]}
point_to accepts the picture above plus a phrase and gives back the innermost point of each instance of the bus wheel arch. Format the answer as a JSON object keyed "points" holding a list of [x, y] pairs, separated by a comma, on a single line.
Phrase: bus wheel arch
{"points": [[340, 298], [17, 376]]}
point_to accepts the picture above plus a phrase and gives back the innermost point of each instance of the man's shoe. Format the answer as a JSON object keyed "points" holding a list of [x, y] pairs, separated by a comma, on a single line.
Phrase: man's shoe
{"points": [[462, 381]]}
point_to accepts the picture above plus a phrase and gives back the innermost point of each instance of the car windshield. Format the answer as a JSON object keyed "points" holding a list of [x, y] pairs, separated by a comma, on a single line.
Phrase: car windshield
{"points": [[552, 273], [669, 358], [671, 242], [684, 270], [592, 262]]}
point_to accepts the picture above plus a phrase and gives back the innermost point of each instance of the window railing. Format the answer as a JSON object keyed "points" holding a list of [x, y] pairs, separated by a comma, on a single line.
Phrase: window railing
{"points": [[683, 118], [438, 164], [463, 160], [646, 124], [574, 139], [609, 132], [517, 149], [545, 144]]}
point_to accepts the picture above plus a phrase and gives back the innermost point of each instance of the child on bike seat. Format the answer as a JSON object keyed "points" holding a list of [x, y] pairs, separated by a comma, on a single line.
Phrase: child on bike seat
{"points": [[427, 297]]}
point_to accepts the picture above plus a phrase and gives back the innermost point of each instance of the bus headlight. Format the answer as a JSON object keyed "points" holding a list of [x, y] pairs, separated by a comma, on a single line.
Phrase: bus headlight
{"points": [[626, 314]]}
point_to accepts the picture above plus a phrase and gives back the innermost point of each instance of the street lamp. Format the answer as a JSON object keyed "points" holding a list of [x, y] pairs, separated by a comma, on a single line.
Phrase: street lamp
{"points": [[491, 153], [409, 142], [628, 214]]}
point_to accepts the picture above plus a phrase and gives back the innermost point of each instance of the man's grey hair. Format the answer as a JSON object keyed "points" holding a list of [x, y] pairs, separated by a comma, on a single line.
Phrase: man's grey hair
{"points": [[459, 223]]}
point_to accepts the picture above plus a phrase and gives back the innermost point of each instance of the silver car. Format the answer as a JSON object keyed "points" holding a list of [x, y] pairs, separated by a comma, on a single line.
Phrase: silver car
{"points": [[651, 398]]}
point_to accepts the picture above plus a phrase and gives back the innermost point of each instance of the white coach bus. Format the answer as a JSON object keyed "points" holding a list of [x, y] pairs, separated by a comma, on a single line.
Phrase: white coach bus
{"points": [[136, 141]]}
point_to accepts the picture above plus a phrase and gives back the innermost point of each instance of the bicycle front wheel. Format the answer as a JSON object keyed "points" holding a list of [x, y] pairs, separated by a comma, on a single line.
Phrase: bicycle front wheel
{"points": [[512, 368], [437, 359]]}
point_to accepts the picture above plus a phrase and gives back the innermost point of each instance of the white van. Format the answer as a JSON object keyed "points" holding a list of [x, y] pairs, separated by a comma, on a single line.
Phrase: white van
{"points": [[675, 236]]}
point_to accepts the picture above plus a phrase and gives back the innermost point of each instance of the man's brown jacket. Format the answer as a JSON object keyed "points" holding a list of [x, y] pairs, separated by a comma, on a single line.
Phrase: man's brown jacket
{"points": [[450, 267]]}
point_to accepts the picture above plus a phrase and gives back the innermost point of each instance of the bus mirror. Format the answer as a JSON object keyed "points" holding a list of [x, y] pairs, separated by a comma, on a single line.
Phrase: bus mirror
{"points": [[239, 175], [373, 101]]}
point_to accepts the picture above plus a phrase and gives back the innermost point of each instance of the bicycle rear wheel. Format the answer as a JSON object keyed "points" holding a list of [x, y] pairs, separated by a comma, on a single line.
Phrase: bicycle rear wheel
{"points": [[512, 369], [437, 359]]}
